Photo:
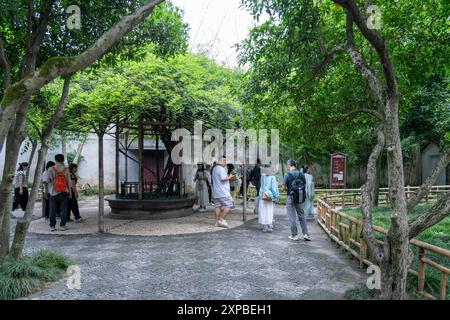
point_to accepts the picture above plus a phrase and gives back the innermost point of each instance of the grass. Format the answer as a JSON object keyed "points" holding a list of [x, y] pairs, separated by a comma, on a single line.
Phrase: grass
{"points": [[31, 273], [438, 235]]}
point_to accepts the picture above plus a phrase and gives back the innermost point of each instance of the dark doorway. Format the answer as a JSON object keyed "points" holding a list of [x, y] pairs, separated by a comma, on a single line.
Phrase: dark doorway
{"points": [[151, 158]]}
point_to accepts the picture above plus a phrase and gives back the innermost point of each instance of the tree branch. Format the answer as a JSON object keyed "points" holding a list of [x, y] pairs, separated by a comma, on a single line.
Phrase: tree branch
{"points": [[58, 112], [63, 66], [429, 182], [361, 65], [363, 110], [438, 212], [366, 202], [6, 65], [326, 59], [376, 41]]}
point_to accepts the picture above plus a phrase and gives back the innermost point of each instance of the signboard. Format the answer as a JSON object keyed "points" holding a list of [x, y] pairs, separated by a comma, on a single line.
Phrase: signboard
{"points": [[338, 162]]}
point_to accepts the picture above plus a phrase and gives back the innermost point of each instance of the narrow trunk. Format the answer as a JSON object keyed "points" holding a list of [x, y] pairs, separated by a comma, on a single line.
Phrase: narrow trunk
{"points": [[101, 186], [34, 145], [23, 223], [80, 148], [376, 189], [64, 146]]}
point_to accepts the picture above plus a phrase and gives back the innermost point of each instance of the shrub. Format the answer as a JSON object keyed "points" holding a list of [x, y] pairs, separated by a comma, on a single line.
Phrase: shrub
{"points": [[30, 273]]}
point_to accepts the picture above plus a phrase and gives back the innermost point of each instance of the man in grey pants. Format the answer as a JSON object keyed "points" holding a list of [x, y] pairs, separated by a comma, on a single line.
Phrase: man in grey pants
{"points": [[294, 210]]}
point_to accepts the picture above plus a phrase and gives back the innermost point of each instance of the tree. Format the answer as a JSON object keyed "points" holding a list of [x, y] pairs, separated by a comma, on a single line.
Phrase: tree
{"points": [[291, 54], [16, 97]]}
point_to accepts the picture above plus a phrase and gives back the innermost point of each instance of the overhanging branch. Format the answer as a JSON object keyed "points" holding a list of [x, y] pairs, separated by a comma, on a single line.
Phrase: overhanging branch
{"points": [[429, 182], [366, 202], [438, 212]]}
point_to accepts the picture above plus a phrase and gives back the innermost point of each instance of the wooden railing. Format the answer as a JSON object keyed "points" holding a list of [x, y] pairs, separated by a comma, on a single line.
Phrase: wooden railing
{"points": [[346, 231], [352, 197]]}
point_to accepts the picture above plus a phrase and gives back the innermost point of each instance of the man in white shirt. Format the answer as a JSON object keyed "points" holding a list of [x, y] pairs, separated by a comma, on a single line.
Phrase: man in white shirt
{"points": [[221, 192]]}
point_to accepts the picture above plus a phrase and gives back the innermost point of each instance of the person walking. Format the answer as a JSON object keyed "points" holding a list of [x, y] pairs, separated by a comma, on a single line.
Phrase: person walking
{"points": [[73, 200], [294, 182], [45, 192], [202, 179], [309, 191], [21, 188], [59, 187], [268, 194], [255, 178], [221, 192]]}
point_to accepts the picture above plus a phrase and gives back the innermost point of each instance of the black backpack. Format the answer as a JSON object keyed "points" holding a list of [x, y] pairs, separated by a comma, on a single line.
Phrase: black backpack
{"points": [[297, 188]]}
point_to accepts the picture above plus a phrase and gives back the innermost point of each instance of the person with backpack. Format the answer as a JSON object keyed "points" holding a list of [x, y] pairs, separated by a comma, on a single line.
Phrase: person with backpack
{"points": [[59, 188], [294, 184]]}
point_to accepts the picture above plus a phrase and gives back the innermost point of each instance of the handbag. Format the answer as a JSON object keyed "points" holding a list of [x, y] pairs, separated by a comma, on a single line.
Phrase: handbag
{"points": [[264, 196]]}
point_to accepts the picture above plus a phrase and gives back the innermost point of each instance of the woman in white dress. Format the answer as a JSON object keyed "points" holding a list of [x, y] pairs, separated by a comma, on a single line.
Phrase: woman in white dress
{"points": [[202, 179], [268, 194]]}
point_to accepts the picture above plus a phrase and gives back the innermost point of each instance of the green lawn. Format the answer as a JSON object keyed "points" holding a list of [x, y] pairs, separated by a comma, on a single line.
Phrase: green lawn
{"points": [[438, 235]]}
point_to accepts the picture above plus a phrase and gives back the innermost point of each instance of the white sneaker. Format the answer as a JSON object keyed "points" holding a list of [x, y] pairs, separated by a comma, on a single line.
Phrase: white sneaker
{"points": [[202, 210], [223, 223], [294, 238], [306, 237]]}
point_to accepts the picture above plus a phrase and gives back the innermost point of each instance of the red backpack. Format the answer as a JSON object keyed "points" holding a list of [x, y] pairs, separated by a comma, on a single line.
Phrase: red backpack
{"points": [[60, 182]]}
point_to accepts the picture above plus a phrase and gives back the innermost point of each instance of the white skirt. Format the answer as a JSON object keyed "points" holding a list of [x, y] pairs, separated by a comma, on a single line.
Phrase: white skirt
{"points": [[265, 212]]}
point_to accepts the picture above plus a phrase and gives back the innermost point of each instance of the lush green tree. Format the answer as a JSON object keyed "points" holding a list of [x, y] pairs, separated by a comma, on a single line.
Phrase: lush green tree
{"points": [[324, 62]]}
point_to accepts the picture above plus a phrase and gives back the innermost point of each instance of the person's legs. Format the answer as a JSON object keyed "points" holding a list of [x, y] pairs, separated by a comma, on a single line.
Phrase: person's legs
{"points": [[24, 199], [53, 205], [63, 199], [299, 208], [74, 207], [291, 213], [217, 214], [226, 211], [16, 200], [47, 206]]}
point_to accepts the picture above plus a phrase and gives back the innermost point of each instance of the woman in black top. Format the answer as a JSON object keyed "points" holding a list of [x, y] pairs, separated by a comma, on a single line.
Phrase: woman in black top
{"points": [[73, 201]]}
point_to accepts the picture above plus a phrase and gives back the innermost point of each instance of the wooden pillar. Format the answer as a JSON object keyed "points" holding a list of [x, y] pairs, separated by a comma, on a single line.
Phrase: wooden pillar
{"points": [[244, 189], [157, 161], [101, 185], [141, 159], [117, 159], [126, 156]]}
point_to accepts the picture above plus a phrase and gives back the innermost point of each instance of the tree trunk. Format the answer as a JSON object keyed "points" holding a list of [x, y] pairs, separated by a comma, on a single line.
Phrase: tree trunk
{"points": [[34, 145], [376, 189], [23, 224], [13, 142], [101, 185], [80, 148], [64, 146], [396, 247]]}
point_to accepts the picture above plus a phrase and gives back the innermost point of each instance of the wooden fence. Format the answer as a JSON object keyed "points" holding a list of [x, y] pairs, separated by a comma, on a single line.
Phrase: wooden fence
{"points": [[346, 231], [352, 197]]}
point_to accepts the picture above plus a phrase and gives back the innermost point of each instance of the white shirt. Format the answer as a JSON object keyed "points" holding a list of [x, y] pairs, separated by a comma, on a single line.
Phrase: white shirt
{"points": [[220, 188]]}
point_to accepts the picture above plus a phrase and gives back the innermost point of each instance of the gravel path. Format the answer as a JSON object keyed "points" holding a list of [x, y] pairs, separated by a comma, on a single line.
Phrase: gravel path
{"points": [[239, 263]]}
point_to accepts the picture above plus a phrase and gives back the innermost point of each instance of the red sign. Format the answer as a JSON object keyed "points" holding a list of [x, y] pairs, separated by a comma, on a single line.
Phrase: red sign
{"points": [[338, 163]]}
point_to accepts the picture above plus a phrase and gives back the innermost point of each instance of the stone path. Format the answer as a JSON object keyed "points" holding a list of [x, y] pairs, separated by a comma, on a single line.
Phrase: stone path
{"points": [[239, 263]]}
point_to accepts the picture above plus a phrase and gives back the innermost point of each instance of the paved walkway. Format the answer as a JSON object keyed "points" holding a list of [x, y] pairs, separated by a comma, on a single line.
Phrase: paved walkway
{"points": [[238, 263]]}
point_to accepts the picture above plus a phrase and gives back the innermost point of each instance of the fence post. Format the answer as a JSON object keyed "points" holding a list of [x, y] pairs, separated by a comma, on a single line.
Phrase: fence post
{"points": [[362, 252], [421, 271], [443, 285]]}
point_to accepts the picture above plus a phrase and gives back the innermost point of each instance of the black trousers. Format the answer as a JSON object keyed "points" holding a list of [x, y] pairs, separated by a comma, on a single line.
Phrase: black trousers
{"points": [[47, 208], [20, 200], [73, 207]]}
